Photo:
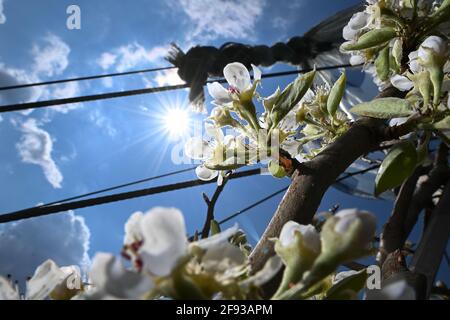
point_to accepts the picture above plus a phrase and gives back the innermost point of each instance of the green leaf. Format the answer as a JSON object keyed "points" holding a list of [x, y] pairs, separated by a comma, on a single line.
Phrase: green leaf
{"points": [[371, 39], [384, 108], [444, 124], [348, 287], [382, 64], [215, 227], [336, 93], [276, 170], [396, 167], [290, 96]]}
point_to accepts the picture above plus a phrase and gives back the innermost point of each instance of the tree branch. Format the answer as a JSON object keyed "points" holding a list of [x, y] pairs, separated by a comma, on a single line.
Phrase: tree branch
{"points": [[423, 195], [392, 237], [211, 204], [428, 256]]}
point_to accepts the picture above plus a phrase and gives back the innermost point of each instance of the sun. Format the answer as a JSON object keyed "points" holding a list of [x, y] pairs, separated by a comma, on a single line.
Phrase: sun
{"points": [[176, 122]]}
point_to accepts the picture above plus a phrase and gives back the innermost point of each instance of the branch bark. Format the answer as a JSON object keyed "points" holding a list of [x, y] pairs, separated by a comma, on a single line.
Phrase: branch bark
{"points": [[392, 237], [428, 256]]}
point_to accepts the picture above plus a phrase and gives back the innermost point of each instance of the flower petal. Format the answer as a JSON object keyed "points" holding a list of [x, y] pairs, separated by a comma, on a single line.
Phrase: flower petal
{"points": [[237, 76], [348, 216], [7, 292], [205, 174], [216, 239], [112, 280], [311, 237], [219, 93], [358, 20], [270, 269], [348, 33], [436, 44], [356, 59], [198, 149], [222, 257], [165, 240], [256, 73], [46, 277], [402, 83], [214, 132], [133, 228], [342, 275]]}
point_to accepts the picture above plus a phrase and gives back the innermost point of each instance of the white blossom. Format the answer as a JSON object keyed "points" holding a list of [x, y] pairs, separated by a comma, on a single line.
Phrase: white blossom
{"points": [[164, 240], [433, 45], [311, 238], [239, 81], [347, 217], [402, 83], [112, 280]]}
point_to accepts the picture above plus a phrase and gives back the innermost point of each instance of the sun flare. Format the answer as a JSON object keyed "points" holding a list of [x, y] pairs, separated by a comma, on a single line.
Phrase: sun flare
{"points": [[176, 122]]}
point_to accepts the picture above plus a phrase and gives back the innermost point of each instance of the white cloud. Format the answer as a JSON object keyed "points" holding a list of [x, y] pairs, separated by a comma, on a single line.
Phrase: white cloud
{"points": [[106, 60], [27, 243], [168, 77], [50, 58], [280, 23], [212, 19], [97, 118], [131, 55], [2, 15], [70, 89], [35, 147], [11, 76]]}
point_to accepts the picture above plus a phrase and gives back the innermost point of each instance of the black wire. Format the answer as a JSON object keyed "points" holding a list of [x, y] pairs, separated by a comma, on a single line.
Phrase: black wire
{"points": [[118, 187], [270, 196], [126, 93], [257, 203], [26, 85], [46, 210]]}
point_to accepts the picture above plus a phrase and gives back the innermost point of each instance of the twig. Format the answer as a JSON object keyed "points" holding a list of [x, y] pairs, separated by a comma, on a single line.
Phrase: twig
{"points": [[211, 204]]}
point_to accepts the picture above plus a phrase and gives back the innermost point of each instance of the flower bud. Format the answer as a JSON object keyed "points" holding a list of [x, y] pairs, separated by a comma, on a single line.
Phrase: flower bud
{"points": [[371, 39], [433, 54], [431, 49], [222, 117], [344, 237], [335, 96], [361, 224], [298, 247]]}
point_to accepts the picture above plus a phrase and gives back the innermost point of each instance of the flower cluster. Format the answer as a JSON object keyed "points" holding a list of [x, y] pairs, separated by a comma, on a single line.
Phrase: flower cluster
{"points": [[290, 121], [382, 35], [159, 261]]}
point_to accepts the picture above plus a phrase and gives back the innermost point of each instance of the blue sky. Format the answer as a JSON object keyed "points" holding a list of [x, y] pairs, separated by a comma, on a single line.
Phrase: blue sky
{"points": [[59, 152]]}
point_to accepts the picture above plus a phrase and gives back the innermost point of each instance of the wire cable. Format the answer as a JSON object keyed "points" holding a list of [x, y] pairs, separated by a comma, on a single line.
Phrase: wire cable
{"points": [[46, 210], [127, 93], [119, 186], [107, 75], [270, 196]]}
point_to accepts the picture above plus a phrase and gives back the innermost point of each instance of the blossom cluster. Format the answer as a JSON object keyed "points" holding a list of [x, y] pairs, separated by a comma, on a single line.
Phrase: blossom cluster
{"points": [[390, 34], [160, 262], [298, 121]]}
